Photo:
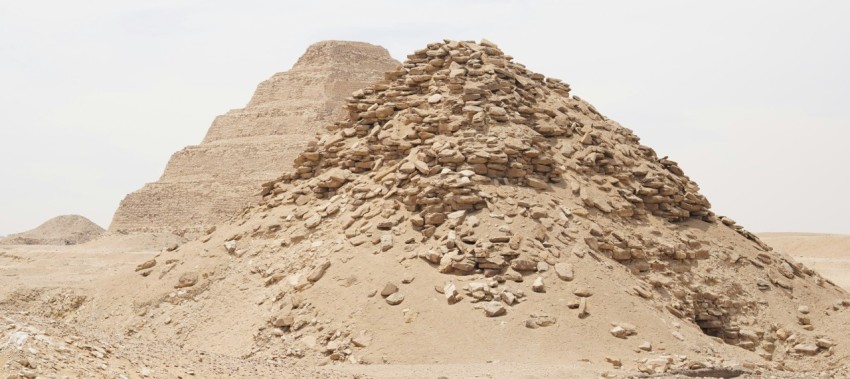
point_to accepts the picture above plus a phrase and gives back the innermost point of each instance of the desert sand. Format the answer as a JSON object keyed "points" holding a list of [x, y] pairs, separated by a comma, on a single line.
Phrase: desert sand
{"points": [[464, 217]]}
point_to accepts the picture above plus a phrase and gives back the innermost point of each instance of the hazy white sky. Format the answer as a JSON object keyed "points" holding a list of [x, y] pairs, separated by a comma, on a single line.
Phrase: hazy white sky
{"points": [[750, 97]]}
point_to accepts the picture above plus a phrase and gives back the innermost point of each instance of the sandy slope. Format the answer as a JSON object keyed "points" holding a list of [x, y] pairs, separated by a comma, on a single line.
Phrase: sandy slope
{"points": [[78, 267], [57, 279], [31, 269], [827, 253]]}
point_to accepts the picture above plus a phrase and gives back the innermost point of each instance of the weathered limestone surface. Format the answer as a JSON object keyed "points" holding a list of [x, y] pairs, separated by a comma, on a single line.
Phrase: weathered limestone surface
{"points": [[205, 184]]}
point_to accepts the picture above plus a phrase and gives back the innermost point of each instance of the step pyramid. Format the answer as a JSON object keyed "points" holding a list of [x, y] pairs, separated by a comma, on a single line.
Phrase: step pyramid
{"points": [[468, 209], [205, 184]]}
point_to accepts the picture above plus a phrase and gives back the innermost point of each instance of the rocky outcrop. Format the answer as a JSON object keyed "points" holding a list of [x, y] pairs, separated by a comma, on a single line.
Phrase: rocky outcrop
{"points": [[469, 207], [205, 184], [60, 230]]}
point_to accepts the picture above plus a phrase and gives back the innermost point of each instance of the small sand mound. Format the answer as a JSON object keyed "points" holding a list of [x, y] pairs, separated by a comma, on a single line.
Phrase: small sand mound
{"points": [[60, 230]]}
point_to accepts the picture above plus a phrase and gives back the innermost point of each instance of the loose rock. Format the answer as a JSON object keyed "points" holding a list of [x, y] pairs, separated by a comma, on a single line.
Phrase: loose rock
{"points": [[389, 289], [494, 309], [187, 280], [538, 286], [564, 271], [395, 298], [146, 265], [806, 349]]}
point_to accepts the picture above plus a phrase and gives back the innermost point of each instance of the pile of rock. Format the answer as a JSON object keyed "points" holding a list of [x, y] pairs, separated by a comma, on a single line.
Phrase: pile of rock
{"points": [[502, 122], [461, 129], [455, 130], [510, 197]]}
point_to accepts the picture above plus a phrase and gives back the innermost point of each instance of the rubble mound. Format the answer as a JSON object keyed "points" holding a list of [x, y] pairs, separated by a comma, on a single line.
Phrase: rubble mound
{"points": [[60, 230], [468, 209], [205, 184]]}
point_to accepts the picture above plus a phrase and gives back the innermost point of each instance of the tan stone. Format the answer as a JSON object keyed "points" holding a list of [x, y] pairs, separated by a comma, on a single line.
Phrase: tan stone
{"points": [[494, 309], [564, 271], [146, 265], [319, 271], [187, 279], [389, 289], [395, 299]]}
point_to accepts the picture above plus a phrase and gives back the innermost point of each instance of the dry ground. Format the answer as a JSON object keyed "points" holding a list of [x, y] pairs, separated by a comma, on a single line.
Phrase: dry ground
{"points": [[77, 267], [36, 267]]}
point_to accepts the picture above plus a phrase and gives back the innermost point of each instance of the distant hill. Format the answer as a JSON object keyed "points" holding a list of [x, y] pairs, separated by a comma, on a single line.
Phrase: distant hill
{"points": [[809, 244], [60, 230], [829, 254]]}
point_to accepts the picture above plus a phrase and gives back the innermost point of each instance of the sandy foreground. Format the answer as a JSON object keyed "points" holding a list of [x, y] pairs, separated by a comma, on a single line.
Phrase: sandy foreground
{"points": [[36, 268]]}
